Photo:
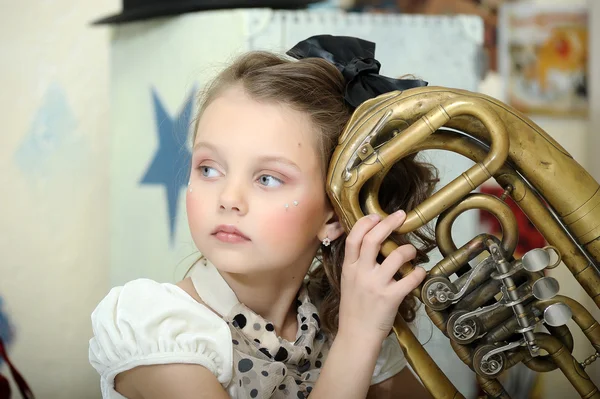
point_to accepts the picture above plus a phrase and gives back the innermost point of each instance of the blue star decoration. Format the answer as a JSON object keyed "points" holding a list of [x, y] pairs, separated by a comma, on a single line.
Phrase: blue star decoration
{"points": [[172, 159], [6, 332], [51, 147]]}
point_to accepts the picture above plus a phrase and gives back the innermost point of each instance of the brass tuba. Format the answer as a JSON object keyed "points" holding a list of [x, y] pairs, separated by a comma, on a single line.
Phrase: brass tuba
{"points": [[491, 312]]}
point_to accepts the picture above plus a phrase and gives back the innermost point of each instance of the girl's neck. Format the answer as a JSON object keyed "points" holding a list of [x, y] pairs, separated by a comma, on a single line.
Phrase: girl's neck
{"points": [[270, 295]]}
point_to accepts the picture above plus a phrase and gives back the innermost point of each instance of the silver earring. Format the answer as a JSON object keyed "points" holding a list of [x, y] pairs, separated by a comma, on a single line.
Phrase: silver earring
{"points": [[326, 241]]}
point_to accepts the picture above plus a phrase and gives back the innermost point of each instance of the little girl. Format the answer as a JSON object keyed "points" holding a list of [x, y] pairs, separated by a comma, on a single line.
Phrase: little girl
{"points": [[254, 319]]}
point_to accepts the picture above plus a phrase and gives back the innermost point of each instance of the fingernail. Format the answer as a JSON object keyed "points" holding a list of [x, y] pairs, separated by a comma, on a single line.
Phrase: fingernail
{"points": [[374, 217], [399, 213]]}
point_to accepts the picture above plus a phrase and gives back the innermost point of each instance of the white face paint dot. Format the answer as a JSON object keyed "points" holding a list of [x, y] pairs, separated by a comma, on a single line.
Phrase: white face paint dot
{"points": [[295, 203]]}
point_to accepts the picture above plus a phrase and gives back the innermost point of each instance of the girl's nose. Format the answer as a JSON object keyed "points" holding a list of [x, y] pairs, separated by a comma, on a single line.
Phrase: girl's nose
{"points": [[233, 199]]}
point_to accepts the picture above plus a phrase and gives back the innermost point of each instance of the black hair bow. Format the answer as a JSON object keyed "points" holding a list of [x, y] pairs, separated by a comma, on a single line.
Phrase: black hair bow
{"points": [[354, 58]]}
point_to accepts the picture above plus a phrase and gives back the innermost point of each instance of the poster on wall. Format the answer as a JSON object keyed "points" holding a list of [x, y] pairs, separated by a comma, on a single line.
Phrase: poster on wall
{"points": [[543, 57]]}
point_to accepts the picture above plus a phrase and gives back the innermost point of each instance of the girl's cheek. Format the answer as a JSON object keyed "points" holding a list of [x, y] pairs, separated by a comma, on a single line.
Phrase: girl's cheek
{"points": [[194, 207], [279, 221], [283, 225], [189, 202]]}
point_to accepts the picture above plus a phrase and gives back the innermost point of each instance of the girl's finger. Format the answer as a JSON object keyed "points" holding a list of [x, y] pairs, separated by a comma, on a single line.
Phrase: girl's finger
{"points": [[356, 235], [371, 243], [405, 285], [393, 262]]}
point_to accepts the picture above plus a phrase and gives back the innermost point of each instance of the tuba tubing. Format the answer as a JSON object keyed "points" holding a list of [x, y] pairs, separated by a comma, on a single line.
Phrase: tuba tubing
{"points": [[490, 311]]}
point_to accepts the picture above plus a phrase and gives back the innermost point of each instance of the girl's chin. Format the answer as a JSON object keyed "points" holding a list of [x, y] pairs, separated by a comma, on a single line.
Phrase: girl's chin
{"points": [[239, 264], [230, 261]]}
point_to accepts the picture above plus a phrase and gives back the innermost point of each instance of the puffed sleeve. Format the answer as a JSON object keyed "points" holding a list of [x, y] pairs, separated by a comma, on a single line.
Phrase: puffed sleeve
{"points": [[149, 323], [390, 362]]}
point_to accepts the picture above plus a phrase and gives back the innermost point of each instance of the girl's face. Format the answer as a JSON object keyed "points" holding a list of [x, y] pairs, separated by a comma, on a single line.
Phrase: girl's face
{"points": [[256, 171]]}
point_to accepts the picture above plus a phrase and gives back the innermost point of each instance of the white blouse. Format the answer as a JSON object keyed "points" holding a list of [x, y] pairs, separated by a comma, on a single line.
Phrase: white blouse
{"points": [[149, 323]]}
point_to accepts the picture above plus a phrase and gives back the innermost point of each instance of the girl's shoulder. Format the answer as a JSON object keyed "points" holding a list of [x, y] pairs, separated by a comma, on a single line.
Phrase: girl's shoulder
{"points": [[145, 322], [188, 287]]}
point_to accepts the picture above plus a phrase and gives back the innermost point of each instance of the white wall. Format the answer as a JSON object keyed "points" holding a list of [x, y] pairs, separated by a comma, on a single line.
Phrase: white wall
{"points": [[54, 179]]}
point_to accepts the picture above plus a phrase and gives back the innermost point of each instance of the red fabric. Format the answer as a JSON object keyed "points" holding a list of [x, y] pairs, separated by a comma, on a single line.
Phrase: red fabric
{"points": [[21, 383], [4, 388], [529, 236]]}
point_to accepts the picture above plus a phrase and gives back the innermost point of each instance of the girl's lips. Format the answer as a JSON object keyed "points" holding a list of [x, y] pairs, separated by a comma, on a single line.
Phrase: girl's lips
{"points": [[229, 233], [231, 238], [229, 229]]}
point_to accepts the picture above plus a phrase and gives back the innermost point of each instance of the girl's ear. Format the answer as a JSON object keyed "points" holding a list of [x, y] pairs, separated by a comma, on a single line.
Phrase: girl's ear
{"points": [[332, 228]]}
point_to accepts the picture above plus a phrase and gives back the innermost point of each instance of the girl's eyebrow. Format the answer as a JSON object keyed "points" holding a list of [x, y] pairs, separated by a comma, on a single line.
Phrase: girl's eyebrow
{"points": [[279, 159], [261, 159], [201, 144]]}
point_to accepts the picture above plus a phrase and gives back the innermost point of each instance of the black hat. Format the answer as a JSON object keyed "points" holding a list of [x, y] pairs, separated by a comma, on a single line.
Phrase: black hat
{"points": [[135, 10]]}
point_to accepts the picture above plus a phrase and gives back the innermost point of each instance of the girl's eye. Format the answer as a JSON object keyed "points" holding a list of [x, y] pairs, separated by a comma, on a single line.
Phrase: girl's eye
{"points": [[269, 181], [207, 171]]}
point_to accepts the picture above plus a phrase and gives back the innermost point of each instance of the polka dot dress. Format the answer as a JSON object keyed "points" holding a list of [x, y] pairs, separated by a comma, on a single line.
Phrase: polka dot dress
{"points": [[268, 366]]}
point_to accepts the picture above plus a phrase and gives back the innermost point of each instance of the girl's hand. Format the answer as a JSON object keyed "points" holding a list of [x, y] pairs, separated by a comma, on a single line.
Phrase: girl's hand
{"points": [[369, 294]]}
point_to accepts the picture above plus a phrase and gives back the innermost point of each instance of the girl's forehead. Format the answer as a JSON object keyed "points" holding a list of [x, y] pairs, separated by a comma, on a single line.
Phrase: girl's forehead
{"points": [[234, 119]]}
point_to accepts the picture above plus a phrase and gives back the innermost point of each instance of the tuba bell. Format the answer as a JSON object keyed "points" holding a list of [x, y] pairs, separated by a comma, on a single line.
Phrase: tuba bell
{"points": [[491, 311]]}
